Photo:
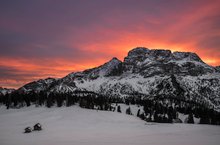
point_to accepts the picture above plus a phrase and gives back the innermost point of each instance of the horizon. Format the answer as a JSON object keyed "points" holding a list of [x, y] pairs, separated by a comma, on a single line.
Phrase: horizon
{"points": [[46, 38]]}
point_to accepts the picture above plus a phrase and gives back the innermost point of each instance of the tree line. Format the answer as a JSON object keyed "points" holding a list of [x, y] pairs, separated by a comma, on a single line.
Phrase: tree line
{"points": [[162, 110]]}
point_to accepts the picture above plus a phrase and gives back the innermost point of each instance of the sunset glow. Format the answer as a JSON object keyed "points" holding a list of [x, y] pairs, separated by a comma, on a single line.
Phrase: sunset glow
{"points": [[51, 38]]}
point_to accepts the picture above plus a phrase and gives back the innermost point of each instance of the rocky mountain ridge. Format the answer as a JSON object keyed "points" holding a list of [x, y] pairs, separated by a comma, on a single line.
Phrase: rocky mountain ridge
{"points": [[152, 73]]}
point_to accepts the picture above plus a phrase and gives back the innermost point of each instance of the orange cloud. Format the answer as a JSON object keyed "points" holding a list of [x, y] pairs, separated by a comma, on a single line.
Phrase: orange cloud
{"points": [[22, 71]]}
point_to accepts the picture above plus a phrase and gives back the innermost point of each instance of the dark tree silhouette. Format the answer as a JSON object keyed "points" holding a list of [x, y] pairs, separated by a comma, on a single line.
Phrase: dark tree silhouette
{"points": [[128, 111], [119, 109]]}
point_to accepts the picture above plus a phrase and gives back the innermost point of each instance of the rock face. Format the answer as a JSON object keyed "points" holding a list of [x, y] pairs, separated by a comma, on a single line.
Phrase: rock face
{"points": [[163, 62], [154, 73], [217, 68]]}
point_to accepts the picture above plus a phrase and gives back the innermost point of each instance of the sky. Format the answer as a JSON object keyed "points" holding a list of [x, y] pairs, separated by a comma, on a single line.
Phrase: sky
{"points": [[52, 38]]}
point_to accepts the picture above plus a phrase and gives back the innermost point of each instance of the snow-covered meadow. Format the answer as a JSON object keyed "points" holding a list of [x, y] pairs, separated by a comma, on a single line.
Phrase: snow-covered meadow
{"points": [[77, 126]]}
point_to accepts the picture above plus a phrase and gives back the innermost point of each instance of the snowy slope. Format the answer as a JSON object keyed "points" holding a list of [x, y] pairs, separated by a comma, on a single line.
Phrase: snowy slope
{"points": [[77, 126]]}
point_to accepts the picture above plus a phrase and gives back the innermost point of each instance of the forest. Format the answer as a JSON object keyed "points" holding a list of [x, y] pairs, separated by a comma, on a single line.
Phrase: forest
{"points": [[157, 109]]}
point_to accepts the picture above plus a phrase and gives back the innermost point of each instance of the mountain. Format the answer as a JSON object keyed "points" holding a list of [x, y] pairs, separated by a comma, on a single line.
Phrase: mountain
{"points": [[217, 68], [147, 73], [4, 91], [37, 86]]}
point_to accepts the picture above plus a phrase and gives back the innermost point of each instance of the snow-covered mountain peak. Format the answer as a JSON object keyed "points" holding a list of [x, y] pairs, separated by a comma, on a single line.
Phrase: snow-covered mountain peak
{"points": [[151, 62], [138, 51], [189, 56], [114, 61], [110, 68], [159, 55], [142, 53]]}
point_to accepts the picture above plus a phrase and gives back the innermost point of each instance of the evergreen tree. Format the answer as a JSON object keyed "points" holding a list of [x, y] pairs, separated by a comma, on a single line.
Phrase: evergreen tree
{"points": [[119, 109], [128, 111], [8, 102], [82, 103], [204, 117], [27, 100], [138, 113], [190, 119], [49, 101], [204, 120], [156, 117], [164, 119], [142, 116], [213, 117]]}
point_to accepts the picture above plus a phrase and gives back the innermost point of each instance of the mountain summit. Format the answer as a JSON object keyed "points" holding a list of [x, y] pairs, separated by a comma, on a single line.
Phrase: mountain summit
{"points": [[150, 73]]}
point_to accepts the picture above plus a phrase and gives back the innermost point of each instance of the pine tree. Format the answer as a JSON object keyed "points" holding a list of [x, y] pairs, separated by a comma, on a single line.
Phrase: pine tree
{"points": [[156, 117], [119, 109], [27, 100], [190, 119], [142, 116], [128, 111], [49, 101], [138, 113], [8, 101], [204, 120]]}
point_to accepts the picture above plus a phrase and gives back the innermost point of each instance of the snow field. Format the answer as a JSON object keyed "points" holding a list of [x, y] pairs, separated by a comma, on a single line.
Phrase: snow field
{"points": [[77, 126]]}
